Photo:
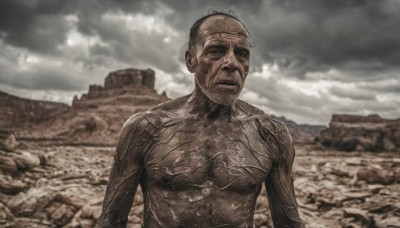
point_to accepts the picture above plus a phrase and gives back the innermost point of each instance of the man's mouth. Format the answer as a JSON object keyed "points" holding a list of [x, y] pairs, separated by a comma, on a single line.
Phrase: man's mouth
{"points": [[227, 83]]}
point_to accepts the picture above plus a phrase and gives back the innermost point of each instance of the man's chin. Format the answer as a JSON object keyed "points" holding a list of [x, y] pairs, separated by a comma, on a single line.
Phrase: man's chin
{"points": [[224, 99]]}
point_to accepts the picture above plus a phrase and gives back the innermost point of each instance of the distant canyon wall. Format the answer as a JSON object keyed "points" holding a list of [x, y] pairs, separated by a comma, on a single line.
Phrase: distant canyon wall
{"points": [[18, 112], [362, 133]]}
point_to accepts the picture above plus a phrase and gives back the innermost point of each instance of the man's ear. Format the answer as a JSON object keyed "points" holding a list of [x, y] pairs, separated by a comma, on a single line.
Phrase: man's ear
{"points": [[190, 61]]}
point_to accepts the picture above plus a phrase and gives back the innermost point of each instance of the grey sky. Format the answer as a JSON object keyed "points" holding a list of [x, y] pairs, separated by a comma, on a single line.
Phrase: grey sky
{"points": [[311, 58]]}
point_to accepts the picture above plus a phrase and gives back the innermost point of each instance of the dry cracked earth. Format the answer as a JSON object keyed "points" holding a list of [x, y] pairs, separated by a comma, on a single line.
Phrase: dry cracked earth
{"points": [[66, 188]]}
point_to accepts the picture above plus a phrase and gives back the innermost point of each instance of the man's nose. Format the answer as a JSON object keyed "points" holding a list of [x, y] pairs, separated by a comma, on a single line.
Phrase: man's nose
{"points": [[230, 61]]}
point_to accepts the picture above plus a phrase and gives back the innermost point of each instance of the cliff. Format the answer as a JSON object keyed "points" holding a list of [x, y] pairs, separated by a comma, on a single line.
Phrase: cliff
{"points": [[19, 112], [362, 133]]}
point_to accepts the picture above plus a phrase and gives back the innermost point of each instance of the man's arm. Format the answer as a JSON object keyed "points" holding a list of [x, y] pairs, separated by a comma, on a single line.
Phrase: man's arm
{"points": [[279, 183], [125, 174]]}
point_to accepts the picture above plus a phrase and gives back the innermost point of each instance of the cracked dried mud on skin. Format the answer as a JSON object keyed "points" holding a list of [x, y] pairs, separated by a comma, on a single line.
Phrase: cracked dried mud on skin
{"points": [[200, 174]]}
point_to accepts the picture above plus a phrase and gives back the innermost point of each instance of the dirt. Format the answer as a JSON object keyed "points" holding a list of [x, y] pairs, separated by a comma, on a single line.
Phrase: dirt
{"points": [[68, 189]]}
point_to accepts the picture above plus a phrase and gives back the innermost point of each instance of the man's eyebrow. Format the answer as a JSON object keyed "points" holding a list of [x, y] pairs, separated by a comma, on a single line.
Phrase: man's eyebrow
{"points": [[244, 45], [215, 43]]}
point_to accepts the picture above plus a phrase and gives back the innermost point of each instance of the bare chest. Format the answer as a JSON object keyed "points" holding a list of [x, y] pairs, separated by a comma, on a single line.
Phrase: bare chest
{"points": [[229, 156]]}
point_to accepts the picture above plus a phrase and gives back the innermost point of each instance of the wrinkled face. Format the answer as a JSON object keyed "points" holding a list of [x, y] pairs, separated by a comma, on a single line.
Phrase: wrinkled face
{"points": [[220, 59]]}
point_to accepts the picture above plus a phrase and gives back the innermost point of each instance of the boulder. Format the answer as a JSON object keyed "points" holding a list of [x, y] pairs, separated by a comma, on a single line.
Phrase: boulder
{"points": [[7, 163], [26, 160], [10, 186], [373, 175], [7, 140]]}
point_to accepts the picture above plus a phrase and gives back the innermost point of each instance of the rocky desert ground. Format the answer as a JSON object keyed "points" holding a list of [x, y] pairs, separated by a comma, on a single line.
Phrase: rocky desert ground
{"points": [[55, 161], [66, 187]]}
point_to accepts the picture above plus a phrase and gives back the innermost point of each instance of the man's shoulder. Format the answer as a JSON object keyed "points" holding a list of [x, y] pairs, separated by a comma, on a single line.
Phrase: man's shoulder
{"points": [[268, 125], [169, 106], [155, 116], [248, 109], [263, 118]]}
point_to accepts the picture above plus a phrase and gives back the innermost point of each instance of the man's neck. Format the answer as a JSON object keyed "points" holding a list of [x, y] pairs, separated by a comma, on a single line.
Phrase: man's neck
{"points": [[198, 103]]}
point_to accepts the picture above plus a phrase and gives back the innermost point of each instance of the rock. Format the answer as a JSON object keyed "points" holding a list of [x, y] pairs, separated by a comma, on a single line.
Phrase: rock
{"points": [[130, 77], [91, 212], [137, 210], [134, 219], [25, 204], [18, 112], [7, 163], [11, 187], [325, 203], [118, 83], [7, 140], [392, 221], [86, 223], [23, 222], [329, 169], [347, 196], [5, 215], [373, 175], [260, 220], [68, 200], [130, 225], [96, 117], [360, 133], [357, 214], [375, 188], [88, 125], [26, 160], [60, 213], [380, 209]]}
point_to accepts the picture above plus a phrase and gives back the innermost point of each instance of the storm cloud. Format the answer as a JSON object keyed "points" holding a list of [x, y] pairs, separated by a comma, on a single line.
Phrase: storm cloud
{"points": [[311, 58]]}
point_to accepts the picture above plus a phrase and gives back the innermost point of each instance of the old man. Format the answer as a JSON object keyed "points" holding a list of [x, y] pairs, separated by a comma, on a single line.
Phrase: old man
{"points": [[201, 159]]}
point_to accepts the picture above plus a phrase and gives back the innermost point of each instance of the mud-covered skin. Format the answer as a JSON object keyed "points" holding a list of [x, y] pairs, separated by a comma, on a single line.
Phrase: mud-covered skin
{"points": [[201, 171], [201, 159]]}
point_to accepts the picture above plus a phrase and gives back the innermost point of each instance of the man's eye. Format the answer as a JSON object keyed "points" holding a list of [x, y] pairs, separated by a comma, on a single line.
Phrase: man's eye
{"points": [[215, 52], [242, 54]]}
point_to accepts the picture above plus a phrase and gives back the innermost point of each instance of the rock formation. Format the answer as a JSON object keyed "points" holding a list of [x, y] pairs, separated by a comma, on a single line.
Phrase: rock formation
{"points": [[96, 118], [119, 84], [18, 112], [362, 133], [130, 77]]}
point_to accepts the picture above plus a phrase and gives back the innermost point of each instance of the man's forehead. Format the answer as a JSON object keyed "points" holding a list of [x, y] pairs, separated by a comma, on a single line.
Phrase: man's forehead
{"points": [[222, 24], [222, 39]]}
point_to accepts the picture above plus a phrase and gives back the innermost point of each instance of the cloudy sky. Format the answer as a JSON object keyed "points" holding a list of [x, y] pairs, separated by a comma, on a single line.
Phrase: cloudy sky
{"points": [[311, 58]]}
